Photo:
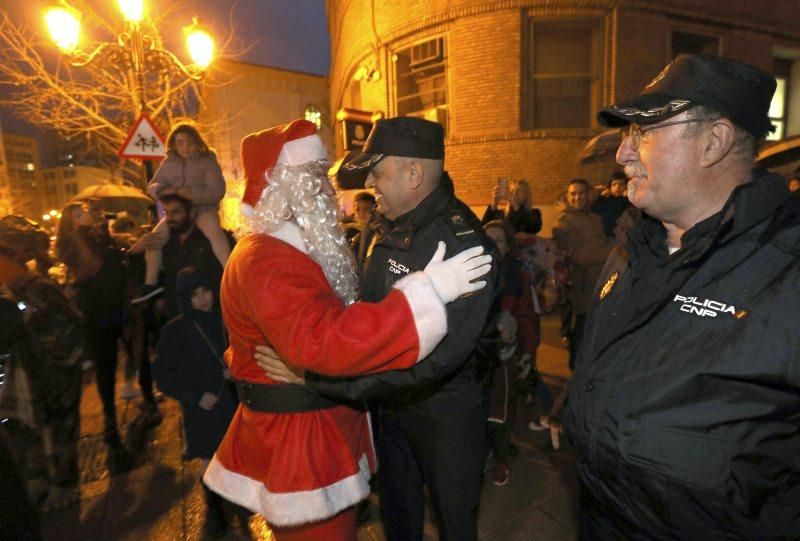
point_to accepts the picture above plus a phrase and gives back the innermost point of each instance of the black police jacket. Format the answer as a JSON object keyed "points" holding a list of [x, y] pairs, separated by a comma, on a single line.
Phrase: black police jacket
{"points": [[684, 410], [408, 245]]}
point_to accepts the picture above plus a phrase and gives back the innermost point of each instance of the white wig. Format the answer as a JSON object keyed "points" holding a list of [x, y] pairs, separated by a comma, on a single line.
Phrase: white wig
{"points": [[295, 193]]}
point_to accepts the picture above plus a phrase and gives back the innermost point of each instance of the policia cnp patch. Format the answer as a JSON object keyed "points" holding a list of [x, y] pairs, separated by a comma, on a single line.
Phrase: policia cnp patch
{"points": [[458, 224]]}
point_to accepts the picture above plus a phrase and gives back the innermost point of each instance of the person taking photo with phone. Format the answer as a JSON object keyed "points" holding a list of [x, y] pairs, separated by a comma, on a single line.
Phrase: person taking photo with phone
{"points": [[519, 211]]}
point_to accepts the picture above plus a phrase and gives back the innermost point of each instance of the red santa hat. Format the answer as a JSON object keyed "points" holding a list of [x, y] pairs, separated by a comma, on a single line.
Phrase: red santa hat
{"points": [[292, 144]]}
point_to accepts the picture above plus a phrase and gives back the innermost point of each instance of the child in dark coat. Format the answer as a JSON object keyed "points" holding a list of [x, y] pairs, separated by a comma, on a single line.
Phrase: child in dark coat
{"points": [[190, 369]]}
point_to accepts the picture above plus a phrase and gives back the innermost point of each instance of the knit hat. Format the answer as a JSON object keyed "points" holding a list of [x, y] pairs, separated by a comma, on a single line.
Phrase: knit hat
{"points": [[187, 281], [291, 144]]}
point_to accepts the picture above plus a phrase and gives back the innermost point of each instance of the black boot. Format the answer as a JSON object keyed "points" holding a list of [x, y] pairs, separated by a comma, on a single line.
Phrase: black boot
{"points": [[119, 459], [215, 524], [243, 518], [150, 415], [111, 435]]}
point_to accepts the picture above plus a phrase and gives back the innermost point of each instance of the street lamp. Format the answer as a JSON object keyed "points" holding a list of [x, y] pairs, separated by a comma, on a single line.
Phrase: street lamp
{"points": [[132, 10], [134, 52], [65, 28]]}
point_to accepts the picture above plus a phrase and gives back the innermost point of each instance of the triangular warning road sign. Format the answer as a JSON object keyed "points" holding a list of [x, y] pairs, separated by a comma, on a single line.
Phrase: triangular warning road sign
{"points": [[144, 141]]}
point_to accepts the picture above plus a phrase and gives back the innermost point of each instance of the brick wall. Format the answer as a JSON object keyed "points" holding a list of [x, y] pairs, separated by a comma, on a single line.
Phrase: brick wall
{"points": [[485, 69]]}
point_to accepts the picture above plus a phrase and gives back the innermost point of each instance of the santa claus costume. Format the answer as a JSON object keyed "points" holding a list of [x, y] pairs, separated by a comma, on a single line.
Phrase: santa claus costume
{"points": [[291, 455]]}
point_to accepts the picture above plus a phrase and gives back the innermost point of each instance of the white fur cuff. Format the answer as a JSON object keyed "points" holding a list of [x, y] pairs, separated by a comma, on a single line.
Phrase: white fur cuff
{"points": [[430, 316]]}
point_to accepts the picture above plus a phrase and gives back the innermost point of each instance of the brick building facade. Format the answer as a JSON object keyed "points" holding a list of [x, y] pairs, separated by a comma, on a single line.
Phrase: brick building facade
{"points": [[21, 174], [242, 98], [517, 82]]}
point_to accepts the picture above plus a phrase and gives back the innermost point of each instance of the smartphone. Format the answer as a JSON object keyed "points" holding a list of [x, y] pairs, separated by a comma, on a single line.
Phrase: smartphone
{"points": [[502, 186]]}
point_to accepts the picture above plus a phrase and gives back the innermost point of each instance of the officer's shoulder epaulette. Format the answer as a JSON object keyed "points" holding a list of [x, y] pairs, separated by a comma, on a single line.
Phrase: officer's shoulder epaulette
{"points": [[460, 224]]}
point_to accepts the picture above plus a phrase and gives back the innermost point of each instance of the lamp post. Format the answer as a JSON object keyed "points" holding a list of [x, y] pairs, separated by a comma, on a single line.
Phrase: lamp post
{"points": [[134, 52]]}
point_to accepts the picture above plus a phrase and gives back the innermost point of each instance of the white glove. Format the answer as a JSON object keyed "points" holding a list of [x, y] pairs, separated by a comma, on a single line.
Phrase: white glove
{"points": [[525, 366], [208, 400], [453, 278]]}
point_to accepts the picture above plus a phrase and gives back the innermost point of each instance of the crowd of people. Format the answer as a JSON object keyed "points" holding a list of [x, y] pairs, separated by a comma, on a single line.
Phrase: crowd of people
{"points": [[316, 350], [97, 315]]}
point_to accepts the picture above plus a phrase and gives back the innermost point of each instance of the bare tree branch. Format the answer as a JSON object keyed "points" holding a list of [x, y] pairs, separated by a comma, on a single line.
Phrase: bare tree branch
{"points": [[99, 101]]}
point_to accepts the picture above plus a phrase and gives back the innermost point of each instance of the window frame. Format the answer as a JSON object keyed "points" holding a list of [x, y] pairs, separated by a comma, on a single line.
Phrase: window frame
{"points": [[596, 29], [443, 110], [782, 69], [704, 32]]}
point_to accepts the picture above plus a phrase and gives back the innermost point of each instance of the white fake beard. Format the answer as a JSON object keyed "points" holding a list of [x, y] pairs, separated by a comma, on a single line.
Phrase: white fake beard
{"points": [[296, 193]]}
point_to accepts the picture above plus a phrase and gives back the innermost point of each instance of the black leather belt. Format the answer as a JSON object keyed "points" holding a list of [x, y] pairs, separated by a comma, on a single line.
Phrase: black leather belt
{"points": [[281, 398]]}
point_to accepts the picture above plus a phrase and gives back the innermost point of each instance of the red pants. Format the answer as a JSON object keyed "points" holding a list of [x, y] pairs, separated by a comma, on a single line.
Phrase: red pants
{"points": [[341, 527]]}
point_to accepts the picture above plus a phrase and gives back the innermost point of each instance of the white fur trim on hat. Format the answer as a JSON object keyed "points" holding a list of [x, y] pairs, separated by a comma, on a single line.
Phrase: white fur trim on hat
{"points": [[303, 150], [247, 210]]}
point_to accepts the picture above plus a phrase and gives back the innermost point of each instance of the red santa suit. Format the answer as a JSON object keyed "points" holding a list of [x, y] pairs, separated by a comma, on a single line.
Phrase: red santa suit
{"points": [[296, 468]]}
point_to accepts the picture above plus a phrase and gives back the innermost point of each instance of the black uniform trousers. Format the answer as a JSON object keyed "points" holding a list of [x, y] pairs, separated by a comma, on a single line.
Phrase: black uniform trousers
{"points": [[447, 452]]}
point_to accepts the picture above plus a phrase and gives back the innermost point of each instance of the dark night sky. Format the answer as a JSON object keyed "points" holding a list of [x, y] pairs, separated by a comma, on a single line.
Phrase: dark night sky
{"points": [[289, 34]]}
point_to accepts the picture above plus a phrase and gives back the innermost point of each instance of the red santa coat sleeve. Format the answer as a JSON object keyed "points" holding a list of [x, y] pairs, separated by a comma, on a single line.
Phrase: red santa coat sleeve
{"points": [[286, 295]]}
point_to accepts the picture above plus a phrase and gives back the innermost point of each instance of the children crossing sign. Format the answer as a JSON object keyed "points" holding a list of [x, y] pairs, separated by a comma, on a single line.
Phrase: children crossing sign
{"points": [[143, 142]]}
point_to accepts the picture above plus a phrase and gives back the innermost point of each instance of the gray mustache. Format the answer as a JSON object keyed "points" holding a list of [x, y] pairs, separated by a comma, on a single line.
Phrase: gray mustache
{"points": [[635, 170]]}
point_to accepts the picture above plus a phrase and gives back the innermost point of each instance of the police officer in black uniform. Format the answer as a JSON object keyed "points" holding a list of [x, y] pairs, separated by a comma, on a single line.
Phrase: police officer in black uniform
{"points": [[432, 417], [685, 403]]}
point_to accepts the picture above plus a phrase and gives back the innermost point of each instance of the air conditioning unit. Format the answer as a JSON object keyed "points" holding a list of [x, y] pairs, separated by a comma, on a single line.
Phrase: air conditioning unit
{"points": [[427, 52]]}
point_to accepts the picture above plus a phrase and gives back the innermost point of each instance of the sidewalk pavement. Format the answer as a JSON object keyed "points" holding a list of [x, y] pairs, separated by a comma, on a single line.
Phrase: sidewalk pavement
{"points": [[161, 499]]}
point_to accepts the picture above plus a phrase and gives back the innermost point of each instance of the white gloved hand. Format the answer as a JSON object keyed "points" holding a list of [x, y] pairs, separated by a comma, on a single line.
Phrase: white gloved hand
{"points": [[453, 277], [207, 401], [525, 365]]}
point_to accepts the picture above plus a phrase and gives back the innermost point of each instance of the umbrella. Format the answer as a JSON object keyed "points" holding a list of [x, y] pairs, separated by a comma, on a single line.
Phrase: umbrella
{"points": [[116, 198], [600, 146], [348, 180], [780, 153]]}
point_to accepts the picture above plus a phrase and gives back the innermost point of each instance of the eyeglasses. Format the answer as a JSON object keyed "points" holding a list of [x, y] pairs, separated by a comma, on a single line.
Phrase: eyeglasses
{"points": [[635, 132]]}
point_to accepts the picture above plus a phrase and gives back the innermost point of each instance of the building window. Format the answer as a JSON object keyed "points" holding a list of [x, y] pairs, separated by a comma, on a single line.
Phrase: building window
{"points": [[563, 86], [421, 80], [778, 108], [313, 114], [689, 43], [355, 94]]}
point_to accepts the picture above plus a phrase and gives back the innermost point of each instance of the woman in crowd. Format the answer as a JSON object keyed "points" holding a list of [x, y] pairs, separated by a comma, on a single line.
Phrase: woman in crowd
{"points": [[96, 267], [519, 212]]}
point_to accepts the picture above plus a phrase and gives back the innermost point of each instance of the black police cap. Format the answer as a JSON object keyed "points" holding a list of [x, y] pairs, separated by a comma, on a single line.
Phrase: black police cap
{"points": [[734, 89], [404, 136]]}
